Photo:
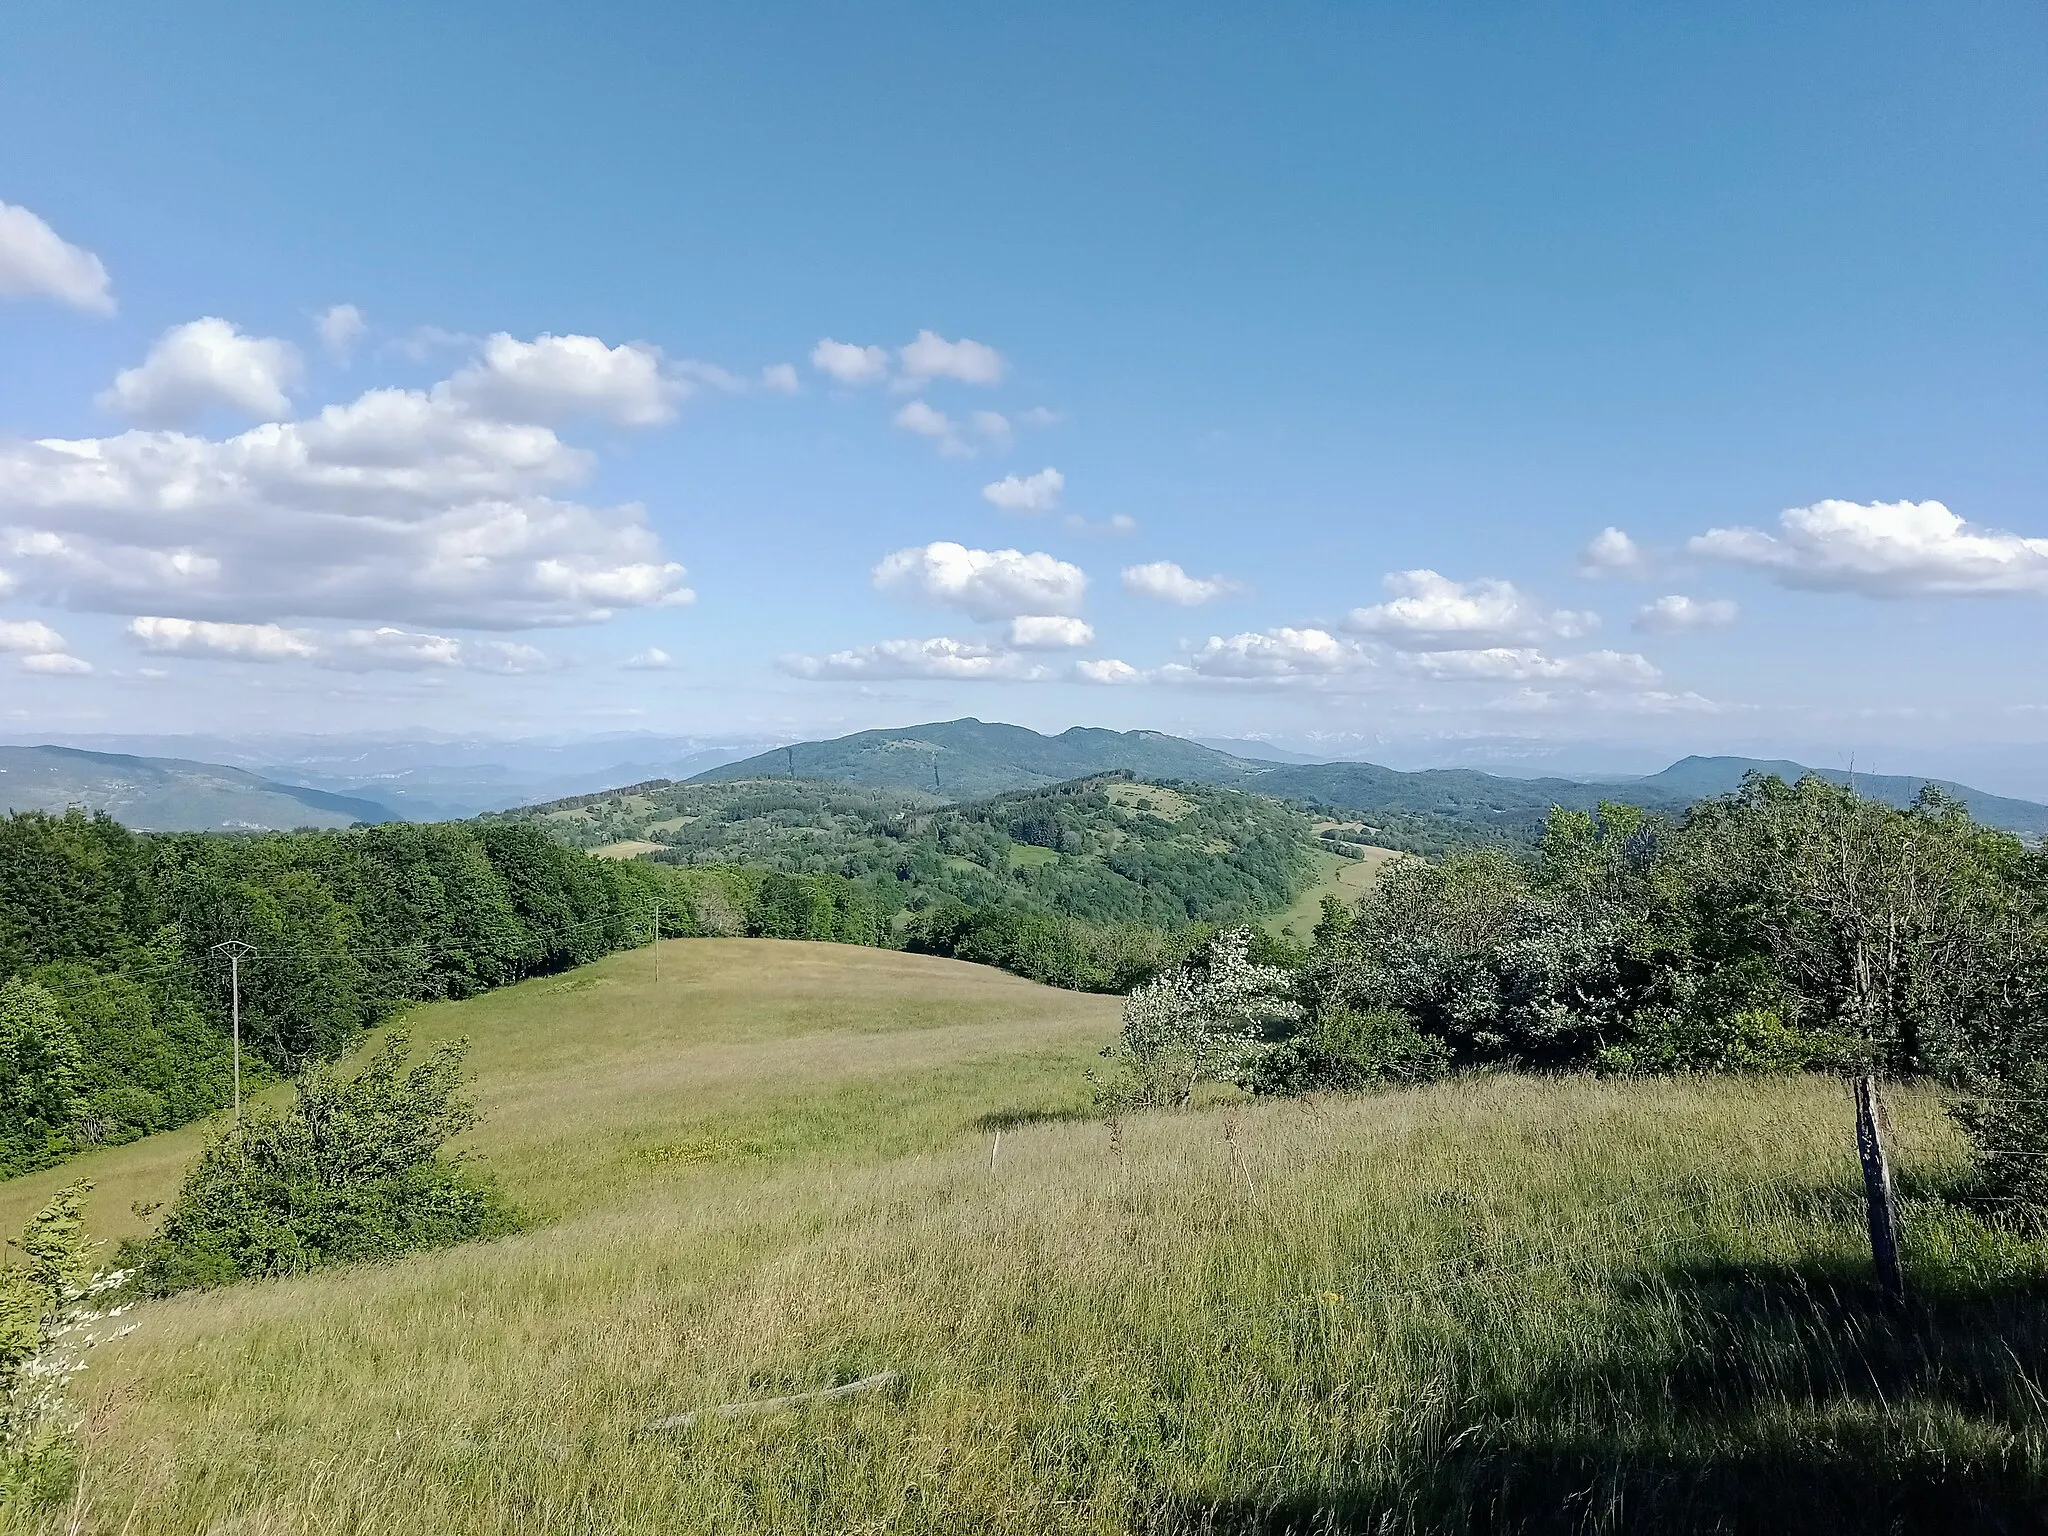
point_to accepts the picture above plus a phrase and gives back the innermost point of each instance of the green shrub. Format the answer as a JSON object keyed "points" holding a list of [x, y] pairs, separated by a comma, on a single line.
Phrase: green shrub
{"points": [[48, 1306], [1753, 1040], [352, 1171], [1345, 1051]]}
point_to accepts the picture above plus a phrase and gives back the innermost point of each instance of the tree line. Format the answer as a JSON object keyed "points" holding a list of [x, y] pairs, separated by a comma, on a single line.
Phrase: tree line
{"points": [[1784, 927], [114, 1012]]}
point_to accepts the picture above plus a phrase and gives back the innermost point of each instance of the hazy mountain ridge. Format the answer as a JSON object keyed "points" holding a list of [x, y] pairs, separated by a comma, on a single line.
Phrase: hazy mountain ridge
{"points": [[1696, 777], [166, 794], [968, 759], [1421, 809]]}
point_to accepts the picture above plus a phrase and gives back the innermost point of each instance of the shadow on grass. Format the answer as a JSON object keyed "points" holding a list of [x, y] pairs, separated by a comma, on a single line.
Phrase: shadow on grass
{"points": [[1017, 1119], [1767, 1398]]}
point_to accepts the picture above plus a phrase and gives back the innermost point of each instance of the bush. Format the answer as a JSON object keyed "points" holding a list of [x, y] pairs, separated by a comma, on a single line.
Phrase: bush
{"points": [[1345, 1051], [1204, 1022], [352, 1171], [1752, 1040], [48, 1306]]}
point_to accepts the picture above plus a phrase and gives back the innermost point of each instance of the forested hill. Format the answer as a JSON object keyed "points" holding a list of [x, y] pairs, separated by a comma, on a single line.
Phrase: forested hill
{"points": [[1694, 778], [1425, 811], [169, 794], [1101, 849], [968, 759]]}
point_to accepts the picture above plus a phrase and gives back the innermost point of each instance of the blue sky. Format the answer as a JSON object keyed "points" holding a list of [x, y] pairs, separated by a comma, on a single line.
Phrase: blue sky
{"points": [[1346, 328]]}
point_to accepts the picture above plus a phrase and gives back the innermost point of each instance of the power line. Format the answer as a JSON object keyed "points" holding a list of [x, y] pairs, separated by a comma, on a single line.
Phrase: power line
{"points": [[235, 952]]}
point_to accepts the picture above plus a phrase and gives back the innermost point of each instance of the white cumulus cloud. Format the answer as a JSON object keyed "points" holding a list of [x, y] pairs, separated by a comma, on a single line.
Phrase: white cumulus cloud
{"points": [[28, 637], [781, 378], [233, 642], [202, 363], [1049, 632], [1677, 613], [927, 421], [653, 659], [383, 649], [1885, 549], [931, 356], [1432, 612], [983, 583], [1027, 493], [554, 378], [850, 364], [1170, 584], [1519, 664], [35, 262], [1275, 655], [939, 657], [40, 648], [1108, 671], [402, 506], [339, 327], [1610, 552]]}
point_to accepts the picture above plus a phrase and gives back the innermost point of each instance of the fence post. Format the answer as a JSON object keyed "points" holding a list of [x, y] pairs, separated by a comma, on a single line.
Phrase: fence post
{"points": [[1880, 1199]]}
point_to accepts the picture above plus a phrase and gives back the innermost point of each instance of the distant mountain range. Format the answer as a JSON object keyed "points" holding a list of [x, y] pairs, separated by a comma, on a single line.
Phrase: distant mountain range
{"points": [[338, 782], [1694, 778], [968, 759], [432, 776], [169, 794]]}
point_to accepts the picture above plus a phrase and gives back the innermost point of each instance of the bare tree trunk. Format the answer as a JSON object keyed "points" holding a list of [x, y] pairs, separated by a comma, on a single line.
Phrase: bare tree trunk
{"points": [[1880, 1199]]}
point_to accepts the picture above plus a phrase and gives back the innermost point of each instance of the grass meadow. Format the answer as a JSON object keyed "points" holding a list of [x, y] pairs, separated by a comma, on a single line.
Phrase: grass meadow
{"points": [[1336, 875], [1496, 1304]]}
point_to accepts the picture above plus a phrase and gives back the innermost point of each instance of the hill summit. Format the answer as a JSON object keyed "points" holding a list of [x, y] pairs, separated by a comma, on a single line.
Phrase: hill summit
{"points": [[969, 759]]}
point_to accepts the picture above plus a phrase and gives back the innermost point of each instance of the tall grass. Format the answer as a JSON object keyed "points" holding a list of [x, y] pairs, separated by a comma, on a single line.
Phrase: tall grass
{"points": [[1498, 1303]]}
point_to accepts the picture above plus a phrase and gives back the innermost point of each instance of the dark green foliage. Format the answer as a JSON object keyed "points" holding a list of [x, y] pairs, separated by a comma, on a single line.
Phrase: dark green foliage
{"points": [[107, 936], [41, 1073], [1781, 928], [352, 1171], [1343, 1051], [1051, 947], [1108, 856]]}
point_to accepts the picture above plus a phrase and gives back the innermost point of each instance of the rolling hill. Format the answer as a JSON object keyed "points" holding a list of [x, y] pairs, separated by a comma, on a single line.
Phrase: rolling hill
{"points": [[1423, 811], [1104, 849], [968, 759], [1693, 778], [168, 794], [756, 1168]]}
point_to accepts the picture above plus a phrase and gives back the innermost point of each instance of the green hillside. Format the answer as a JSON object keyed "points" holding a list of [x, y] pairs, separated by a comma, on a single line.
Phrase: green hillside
{"points": [[1694, 778], [1542, 1305], [168, 794], [1103, 849], [1426, 811], [967, 759]]}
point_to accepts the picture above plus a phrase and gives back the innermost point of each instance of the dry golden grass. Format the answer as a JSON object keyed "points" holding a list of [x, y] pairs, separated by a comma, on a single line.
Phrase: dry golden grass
{"points": [[1501, 1302]]}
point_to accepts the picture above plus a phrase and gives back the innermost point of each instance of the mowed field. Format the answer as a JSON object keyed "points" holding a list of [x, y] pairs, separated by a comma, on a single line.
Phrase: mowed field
{"points": [[1501, 1303]]}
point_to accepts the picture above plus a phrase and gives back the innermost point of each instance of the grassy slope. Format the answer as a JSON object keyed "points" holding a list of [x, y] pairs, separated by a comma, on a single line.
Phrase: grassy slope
{"points": [[1336, 876], [1455, 1305]]}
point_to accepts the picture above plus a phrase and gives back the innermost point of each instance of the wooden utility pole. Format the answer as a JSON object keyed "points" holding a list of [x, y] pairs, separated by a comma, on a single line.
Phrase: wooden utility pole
{"points": [[1880, 1198]]}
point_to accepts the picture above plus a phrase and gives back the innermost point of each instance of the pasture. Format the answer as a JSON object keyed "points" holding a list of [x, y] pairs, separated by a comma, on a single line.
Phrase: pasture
{"points": [[1501, 1303]]}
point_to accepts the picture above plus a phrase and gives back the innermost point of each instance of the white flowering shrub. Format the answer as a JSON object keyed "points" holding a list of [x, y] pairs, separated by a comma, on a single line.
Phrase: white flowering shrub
{"points": [[1204, 1022], [53, 1309]]}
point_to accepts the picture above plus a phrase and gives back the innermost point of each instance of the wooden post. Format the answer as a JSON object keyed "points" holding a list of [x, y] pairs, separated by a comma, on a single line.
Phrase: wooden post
{"points": [[1880, 1199]]}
